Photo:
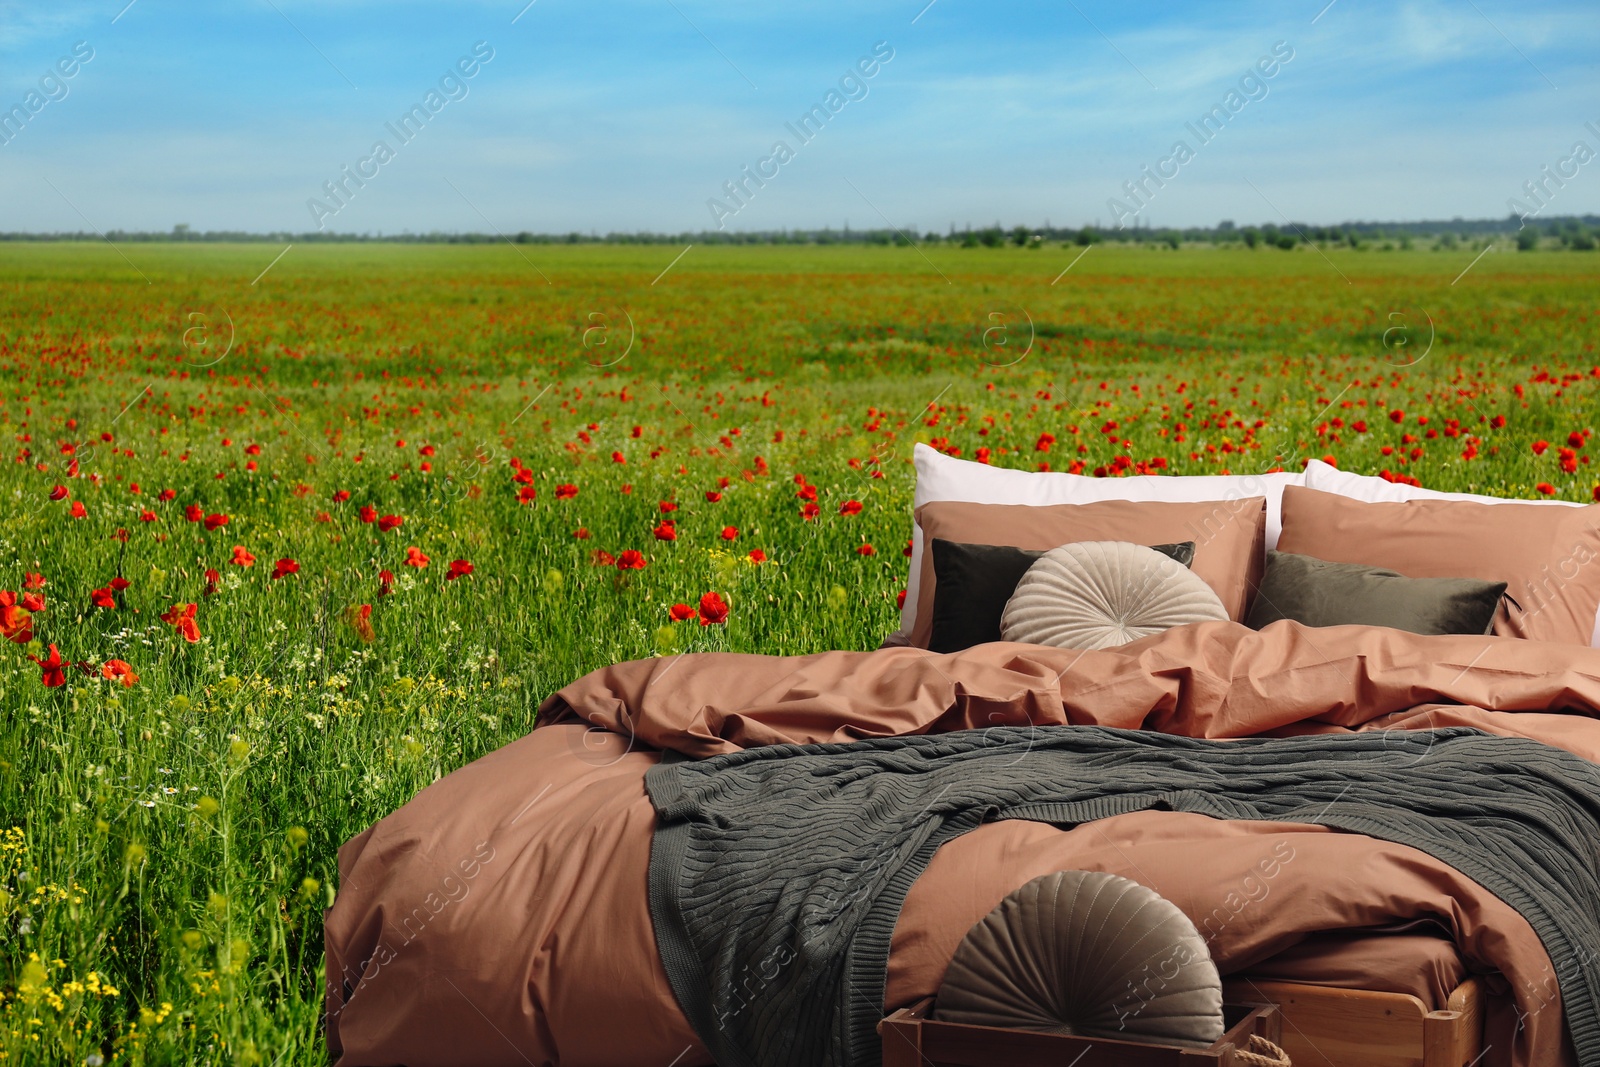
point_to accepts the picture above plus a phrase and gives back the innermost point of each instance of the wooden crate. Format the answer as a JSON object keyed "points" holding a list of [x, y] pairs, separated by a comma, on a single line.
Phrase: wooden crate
{"points": [[1328, 1027], [911, 1039]]}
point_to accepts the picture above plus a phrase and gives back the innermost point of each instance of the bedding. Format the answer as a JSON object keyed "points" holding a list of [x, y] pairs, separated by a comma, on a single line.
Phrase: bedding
{"points": [[1317, 592], [1096, 594], [975, 581], [1326, 478], [1227, 536], [941, 477], [1085, 952], [547, 952], [790, 863], [1546, 556]]}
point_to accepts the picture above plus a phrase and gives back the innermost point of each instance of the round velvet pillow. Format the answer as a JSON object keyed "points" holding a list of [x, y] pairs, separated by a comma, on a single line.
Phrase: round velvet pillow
{"points": [[1086, 953], [1098, 594]]}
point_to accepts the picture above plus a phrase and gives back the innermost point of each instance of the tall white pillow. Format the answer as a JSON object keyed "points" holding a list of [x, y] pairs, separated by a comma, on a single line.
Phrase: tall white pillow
{"points": [[1330, 479], [941, 477]]}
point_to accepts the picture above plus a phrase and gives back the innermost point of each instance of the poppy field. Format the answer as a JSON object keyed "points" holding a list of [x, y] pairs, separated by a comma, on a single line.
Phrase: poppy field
{"points": [[285, 541]]}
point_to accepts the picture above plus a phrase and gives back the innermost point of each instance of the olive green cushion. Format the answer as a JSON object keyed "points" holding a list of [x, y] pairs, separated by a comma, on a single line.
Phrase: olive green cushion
{"points": [[1086, 953], [1317, 592]]}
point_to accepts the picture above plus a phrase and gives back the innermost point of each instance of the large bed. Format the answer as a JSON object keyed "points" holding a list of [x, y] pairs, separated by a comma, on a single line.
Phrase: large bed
{"points": [[506, 915]]}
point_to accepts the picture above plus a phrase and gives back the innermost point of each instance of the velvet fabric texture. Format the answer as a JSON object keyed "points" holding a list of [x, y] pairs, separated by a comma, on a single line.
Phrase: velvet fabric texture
{"points": [[1318, 592], [1100, 594], [975, 581], [1072, 953], [1228, 536]]}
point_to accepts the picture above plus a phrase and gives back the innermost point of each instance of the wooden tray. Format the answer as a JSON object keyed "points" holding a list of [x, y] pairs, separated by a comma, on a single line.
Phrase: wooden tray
{"points": [[911, 1039]]}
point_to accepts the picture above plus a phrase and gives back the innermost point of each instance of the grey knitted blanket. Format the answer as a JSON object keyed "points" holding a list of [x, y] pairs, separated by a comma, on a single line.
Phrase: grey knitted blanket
{"points": [[777, 874]]}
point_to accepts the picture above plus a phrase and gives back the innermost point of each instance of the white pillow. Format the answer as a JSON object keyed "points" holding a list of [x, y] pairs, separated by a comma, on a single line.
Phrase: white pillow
{"points": [[940, 477], [1101, 594], [1330, 479]]}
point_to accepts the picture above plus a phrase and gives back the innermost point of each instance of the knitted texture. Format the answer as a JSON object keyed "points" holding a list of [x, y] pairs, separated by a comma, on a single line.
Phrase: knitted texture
{"points": [[777, 873]]}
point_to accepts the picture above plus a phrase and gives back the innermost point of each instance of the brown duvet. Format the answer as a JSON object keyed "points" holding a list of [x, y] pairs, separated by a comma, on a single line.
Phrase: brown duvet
{"points": [[501, 917]]}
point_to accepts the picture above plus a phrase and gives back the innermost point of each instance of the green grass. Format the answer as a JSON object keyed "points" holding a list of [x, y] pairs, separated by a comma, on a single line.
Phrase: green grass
{"points": [[177, 838]]}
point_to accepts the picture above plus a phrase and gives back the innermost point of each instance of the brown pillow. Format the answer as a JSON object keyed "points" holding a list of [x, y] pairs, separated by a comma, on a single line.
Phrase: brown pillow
{"points": [[1546, 556], [1229, 538]]}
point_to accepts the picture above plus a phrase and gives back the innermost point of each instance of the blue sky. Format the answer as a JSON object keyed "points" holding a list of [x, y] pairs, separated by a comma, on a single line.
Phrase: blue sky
{"points": [[631, 114]]}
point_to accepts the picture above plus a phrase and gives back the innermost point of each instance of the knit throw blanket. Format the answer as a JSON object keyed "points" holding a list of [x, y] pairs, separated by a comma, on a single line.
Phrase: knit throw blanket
{"points": [[777, 873]]}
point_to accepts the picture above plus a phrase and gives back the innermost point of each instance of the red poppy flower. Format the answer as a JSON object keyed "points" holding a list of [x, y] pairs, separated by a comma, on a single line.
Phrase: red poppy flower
{"points": [[167, 495], [341, 495], [359, 616], [194, 513], [34, 580], [1539, 447], [213, 580], [54, 676], [680, 613], [666, 506], [601, 558], [181, 616], [216, 522], [730, 533], [103, 598], [1596, 494], [866, 550], [1397, 416], [119, 583], [15, 624], [713, 497], [581, 533], [58, 493], [900, 599], [632, 560], [148, 516], [907, 550], [283, 568], [666, 531], [566, 491], [119, 670], [415, 558], [78, 510], [850, 507], [807, 493], [368, 513], [32, 602], [618, 457], [713, 610], [757, 556], [459, 568], [390, 522], [385, 582], [1546, 488]]}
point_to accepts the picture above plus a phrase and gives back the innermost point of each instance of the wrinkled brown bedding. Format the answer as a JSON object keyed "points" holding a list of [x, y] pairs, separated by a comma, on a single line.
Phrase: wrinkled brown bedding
{"points": [[501, 917]]}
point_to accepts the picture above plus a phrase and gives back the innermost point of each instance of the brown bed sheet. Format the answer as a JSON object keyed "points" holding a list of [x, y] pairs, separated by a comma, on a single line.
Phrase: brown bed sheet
{"points": [[1425, 966], [501, 916]]}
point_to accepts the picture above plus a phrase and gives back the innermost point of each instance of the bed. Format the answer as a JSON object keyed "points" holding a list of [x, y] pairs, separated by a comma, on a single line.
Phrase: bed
{"points": [[506, 914]]}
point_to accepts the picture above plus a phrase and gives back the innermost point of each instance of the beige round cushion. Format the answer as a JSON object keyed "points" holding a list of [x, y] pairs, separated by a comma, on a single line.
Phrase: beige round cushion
{"points": [[1098, 594], [1086, 953]]}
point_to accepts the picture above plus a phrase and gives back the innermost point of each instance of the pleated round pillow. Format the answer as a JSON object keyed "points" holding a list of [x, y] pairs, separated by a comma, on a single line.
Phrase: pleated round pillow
{"points": [[1091, 954], [1099, 594]]}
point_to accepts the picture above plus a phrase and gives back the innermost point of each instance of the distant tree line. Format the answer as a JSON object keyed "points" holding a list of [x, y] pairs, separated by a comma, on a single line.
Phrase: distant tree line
{"points": [[1579, 233]]}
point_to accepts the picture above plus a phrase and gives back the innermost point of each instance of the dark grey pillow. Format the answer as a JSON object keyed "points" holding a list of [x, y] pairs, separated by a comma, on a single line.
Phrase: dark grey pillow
{"points": [[973, 582], [1319, 593]]}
